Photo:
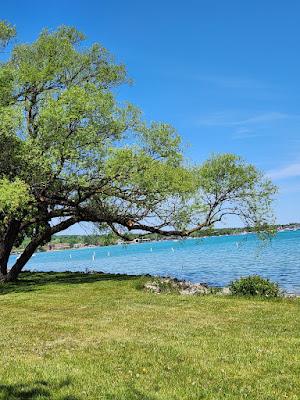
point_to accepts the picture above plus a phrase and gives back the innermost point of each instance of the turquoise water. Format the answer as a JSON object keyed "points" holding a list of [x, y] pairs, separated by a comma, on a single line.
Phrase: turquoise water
{"points": [[214, 260]]}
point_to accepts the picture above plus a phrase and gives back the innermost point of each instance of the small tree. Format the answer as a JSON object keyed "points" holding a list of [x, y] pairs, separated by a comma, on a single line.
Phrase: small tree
{"points": [[69, 153]]}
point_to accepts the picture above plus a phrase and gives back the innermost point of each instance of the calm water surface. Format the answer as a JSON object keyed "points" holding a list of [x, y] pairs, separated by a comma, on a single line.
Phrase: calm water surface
{"points": [[215, 260]]}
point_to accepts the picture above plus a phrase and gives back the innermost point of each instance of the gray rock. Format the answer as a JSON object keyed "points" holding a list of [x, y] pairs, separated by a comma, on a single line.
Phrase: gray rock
{"points": [[225, 291], [174, 285], [152, 287]]}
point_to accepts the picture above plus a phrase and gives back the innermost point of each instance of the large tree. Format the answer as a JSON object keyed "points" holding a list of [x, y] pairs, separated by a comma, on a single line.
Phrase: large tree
{"points": [[69, 152]]}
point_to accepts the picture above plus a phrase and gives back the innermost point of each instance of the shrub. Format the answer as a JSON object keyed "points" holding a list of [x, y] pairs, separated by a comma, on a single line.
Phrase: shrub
{"points": [[254, 285]]}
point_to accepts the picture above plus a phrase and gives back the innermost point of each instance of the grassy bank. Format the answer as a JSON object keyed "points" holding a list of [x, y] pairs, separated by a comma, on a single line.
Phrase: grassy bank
{"points": [[74, 336]]}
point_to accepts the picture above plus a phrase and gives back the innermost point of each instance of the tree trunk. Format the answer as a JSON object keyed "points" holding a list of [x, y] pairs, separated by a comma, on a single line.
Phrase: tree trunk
{"points": [[44, 237], [14, 272], [3, 262], [5, 278], [6, 246]]}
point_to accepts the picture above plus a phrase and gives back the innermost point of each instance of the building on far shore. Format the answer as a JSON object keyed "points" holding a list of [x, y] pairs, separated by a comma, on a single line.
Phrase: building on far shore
{"points": [[59, 246], [78, 245]]}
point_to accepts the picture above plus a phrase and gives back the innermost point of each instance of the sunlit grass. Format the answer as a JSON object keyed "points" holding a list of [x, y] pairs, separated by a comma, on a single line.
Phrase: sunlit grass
{"points": [[73, 336]]}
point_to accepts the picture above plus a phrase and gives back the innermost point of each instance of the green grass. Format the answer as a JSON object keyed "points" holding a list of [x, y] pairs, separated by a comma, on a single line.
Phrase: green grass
{"points": [[73, 336]]}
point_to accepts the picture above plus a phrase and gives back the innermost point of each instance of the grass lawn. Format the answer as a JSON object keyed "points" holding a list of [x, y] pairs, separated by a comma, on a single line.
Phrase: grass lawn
{"points": [[73, 336]]}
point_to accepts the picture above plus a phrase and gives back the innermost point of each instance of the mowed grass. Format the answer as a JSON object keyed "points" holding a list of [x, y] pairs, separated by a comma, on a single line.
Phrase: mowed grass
{"points": [[74, 336]]}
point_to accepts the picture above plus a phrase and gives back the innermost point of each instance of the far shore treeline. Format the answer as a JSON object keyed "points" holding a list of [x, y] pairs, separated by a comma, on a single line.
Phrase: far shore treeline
{"points": [[61, 242]]}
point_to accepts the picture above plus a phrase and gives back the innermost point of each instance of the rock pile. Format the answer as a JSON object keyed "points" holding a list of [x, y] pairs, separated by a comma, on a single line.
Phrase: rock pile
{"points": [[169, 285]]}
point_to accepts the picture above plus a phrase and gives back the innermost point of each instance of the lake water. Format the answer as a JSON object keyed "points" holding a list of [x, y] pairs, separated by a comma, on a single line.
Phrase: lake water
{"points": [[214, 260]]}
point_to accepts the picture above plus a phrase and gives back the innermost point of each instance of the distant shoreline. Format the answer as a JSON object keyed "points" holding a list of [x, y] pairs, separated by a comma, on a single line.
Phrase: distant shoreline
{"points": [[165, 239]]}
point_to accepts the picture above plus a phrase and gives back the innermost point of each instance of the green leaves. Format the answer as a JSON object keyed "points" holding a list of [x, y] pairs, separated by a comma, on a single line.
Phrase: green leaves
{"points": [[162, 141], [232, 187], [55, 62], [226, 173], [14, 196], [254, 285], [135, 168], [7, 32]]}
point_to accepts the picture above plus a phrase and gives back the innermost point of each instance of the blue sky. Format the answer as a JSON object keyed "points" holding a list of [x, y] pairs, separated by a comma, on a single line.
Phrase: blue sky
{"points": [[225, 74]]}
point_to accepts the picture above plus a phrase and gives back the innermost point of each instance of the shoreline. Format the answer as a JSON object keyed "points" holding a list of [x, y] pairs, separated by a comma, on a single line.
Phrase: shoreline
{"points": [[190, 288], [198, 265]]}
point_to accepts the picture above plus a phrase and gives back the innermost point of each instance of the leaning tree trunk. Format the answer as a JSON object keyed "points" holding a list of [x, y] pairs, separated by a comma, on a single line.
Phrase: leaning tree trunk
{"points": [[38, 240], [14, 272]]}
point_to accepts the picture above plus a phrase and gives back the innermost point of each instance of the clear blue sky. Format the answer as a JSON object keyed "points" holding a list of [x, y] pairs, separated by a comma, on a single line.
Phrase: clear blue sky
{"points": [[226, 74]]}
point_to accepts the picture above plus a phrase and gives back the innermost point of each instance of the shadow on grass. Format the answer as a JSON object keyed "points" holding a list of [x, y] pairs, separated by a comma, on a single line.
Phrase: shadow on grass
{"points": [[42, 390], [36, 390], [30, 281]]}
